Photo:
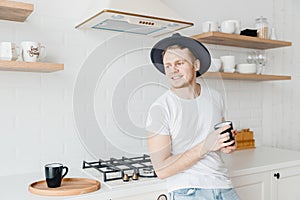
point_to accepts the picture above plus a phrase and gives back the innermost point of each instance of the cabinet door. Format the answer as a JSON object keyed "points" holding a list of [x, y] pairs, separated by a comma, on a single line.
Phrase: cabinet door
{"points": [[158, 195], [253, 186], [285, 184]]}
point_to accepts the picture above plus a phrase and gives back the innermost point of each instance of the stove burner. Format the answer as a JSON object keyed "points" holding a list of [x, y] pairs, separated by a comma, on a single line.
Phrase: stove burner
{"points": [[114, 169], [147, 171]]}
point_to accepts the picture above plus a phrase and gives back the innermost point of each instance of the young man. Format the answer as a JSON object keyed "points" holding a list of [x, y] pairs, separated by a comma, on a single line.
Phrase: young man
{"points": [[183, 145]]}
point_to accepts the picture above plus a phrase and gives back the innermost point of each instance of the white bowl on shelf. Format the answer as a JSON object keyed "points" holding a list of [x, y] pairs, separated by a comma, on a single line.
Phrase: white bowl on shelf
{"points": [[246, 68]]}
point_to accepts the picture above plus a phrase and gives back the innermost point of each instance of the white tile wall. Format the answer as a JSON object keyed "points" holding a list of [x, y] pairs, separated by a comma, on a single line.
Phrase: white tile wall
{"points": [[38, 124]]}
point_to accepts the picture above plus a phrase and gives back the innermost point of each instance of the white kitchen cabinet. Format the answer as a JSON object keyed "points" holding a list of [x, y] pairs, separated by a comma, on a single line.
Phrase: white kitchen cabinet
{"points": [[253, 170], [157, 195], [254, 186], [285, 183], [279, 184]]}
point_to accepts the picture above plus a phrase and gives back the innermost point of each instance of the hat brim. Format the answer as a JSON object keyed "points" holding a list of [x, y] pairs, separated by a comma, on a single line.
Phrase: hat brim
{"points": [[196, 47]]}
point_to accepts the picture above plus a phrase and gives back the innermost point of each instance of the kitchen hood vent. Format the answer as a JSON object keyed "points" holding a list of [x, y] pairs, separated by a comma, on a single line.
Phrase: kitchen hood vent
{"points": [[139, 19]]}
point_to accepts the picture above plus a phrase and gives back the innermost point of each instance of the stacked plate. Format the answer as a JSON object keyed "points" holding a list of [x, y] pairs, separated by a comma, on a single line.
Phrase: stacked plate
{"points": [[246, 68]]}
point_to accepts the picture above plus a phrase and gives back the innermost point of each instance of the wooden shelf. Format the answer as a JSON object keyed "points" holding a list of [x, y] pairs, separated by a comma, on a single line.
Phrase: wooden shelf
{"points": [[15, 11], [239, 41], [29, 66], [249, 77]]}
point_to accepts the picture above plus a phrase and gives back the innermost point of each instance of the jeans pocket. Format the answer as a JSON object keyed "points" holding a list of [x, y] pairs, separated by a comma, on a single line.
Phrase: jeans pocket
{"points": [[182, 194]]}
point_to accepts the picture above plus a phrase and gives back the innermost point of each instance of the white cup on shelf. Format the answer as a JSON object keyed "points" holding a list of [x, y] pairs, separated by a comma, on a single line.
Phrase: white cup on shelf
{"points": [[228, 63], [32, 51], [209, 26], [237, 26], [228, 26], [8, 51]]}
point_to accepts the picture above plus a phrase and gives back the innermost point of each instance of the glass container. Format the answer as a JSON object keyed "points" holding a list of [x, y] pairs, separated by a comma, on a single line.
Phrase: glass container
{"points": [[262, 26]]}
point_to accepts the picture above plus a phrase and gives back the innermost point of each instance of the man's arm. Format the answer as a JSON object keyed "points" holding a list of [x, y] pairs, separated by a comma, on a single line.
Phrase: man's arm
{"points": [[166, 164]]}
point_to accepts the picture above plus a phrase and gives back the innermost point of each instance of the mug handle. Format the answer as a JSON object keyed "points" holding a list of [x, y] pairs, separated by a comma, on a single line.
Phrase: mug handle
{"points": [[18, 52], [43, 52], [66, 168]]}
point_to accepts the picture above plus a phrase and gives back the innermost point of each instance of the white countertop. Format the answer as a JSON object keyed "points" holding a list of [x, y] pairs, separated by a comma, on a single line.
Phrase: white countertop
{"points": [[239, 163], [260, 159], [15, 187]]}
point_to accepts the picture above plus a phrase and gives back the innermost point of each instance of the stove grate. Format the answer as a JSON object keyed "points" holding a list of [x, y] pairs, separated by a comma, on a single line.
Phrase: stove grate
{"points": [[115, 169]]}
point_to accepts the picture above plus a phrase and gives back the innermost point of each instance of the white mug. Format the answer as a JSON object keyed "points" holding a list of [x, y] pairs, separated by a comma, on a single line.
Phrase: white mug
{"points": [[32, 51], [8, 51], [228, 26], [237, 25], [228, 63], [209, 26]]}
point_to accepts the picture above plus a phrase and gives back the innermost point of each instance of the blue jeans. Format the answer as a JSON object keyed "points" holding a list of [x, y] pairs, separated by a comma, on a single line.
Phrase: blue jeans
{"points": [[204, 194]]}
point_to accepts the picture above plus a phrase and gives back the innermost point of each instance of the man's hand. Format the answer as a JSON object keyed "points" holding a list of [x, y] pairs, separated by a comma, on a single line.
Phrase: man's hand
{"points": [[216, 141], [230, 149]]}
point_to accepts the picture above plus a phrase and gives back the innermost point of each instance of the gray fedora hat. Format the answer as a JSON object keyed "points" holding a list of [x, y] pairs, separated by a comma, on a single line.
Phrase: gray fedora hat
{"points": [[196, 47]]}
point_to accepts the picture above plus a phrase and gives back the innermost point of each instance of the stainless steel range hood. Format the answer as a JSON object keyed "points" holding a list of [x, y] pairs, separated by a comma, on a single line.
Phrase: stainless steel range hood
{"points": [[145, 17]]}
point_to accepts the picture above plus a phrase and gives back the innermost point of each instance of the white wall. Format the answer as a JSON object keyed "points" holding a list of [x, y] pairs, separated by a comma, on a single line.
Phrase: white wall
{"points": [[281, 107], [38, 124]]}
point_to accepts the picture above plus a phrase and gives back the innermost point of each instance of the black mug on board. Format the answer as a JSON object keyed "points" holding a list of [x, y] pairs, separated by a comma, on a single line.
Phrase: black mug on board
{"points": [[54, 175], [222, 124]]}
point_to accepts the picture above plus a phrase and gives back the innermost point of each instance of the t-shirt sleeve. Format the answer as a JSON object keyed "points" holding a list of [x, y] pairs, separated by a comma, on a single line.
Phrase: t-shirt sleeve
{"points": [[157, 120]]}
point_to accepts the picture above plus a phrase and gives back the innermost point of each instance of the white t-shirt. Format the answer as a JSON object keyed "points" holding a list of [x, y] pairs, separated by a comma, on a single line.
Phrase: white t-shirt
{"points": [[188, 122]]}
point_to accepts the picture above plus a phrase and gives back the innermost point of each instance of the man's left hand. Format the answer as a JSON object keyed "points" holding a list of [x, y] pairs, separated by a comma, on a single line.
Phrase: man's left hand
{"points": [[230, 149]]}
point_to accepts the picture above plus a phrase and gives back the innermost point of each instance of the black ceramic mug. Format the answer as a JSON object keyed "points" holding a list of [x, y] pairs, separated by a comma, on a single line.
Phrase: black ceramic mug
{"points": [[222, 124], [54, 175]]}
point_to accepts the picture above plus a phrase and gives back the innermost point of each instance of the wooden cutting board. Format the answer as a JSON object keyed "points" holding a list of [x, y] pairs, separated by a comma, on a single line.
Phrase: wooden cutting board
{"points": [[69, 186]]}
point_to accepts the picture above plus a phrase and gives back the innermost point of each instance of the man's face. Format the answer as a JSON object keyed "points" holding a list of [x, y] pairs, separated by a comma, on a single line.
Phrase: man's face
{"points": [[180, 67]]}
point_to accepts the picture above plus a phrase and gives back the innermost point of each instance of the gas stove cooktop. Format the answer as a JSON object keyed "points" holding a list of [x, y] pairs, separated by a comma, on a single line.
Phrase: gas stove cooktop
{"points": [[119, 172]]}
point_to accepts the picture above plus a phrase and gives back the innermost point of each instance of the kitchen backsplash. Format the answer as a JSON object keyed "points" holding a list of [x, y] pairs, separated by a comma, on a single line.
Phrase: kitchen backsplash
{"points": [[37, 112]]}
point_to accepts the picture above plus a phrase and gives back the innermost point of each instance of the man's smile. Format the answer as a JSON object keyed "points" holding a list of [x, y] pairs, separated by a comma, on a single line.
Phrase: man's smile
{"points": [[175, 77]]}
